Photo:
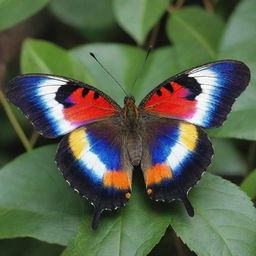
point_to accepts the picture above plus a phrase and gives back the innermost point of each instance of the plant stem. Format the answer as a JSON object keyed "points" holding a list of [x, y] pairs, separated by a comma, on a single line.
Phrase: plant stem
{"points": [[14, 122], [209, 5], [34, 137]]}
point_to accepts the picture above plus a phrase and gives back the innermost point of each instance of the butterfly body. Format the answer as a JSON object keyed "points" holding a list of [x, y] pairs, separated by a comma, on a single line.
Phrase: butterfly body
{"points": [[132, 124], [103, 142]]}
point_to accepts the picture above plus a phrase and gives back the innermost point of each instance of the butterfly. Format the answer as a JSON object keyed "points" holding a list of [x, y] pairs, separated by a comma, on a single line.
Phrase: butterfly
{"points": [[103, 141]]}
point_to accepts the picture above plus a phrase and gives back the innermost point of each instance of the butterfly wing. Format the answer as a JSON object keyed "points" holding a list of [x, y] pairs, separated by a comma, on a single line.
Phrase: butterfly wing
{"points": [[56, 105], [175, 155], [202, 95], [94, 161]]}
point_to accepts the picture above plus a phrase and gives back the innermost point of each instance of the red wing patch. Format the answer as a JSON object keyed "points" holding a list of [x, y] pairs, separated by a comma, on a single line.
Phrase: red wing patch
{"points": [[89, 106], [171, 100]]}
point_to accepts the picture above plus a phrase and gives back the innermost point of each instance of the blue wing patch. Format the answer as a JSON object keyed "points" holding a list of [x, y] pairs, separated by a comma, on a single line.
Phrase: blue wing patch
{"points": [[175, 156], [35, 96], [221, 83]]}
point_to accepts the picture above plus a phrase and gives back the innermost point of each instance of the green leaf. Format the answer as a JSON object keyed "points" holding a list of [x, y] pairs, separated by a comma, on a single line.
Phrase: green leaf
{"points": [[134, 230], [233, 42], [152, 75], [248, 185], [40, 56], [224, 222], [227, 159], [240, 124], [95, 19], [137, 17], [35, 201], [15, 11], [238, 43], [188, 29]]}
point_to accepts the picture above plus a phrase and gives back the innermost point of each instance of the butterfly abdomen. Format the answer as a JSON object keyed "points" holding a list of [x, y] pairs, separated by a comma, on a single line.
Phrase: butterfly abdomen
{"points": [[134, 146]]}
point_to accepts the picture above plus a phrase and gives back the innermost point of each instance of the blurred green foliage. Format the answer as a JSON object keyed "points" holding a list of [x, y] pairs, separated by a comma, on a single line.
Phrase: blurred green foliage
{"points": [[93, 19], [39, 213], [14, 11]]}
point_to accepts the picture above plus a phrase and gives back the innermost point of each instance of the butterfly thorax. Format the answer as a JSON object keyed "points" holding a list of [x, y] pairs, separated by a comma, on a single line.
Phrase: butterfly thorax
{"points": [[131, 121], [130, 112]]}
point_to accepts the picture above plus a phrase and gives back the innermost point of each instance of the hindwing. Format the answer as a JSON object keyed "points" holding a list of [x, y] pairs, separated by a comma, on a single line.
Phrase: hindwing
{"points": [[94, 160], [175, 154]]}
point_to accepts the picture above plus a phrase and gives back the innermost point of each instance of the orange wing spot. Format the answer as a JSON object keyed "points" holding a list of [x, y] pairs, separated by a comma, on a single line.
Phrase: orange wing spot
{"points": [[128, 195], [117, 179], [149, 191], [157, 173]]}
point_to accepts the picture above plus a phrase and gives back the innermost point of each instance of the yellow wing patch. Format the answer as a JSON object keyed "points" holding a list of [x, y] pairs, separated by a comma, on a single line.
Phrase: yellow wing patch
{"points": [[188, 135], [78, 142]]}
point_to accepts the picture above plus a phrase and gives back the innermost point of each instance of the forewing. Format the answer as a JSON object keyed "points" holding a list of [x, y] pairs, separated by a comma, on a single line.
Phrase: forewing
{"points": [[93, 159], [202, 95], [57, 105], [175, 154]]}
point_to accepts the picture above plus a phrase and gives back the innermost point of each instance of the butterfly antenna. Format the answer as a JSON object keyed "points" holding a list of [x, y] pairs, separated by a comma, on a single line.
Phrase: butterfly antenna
{"points": [[142, 66], [92, 54]]}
